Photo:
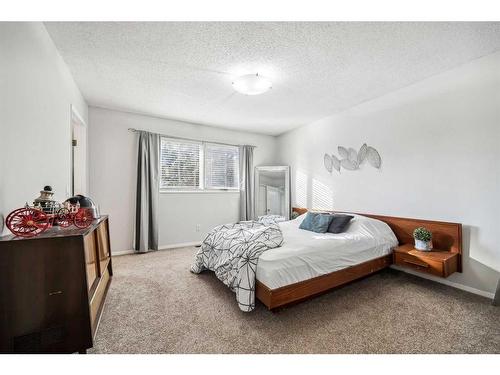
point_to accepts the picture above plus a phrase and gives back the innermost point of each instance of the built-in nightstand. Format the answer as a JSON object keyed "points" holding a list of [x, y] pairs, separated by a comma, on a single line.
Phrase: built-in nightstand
{"points": [[435, 262]]}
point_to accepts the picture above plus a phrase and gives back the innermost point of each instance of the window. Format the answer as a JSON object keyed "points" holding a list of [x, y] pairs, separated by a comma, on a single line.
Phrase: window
{"points": [[180, 164], [190, 165], [221, 166]]}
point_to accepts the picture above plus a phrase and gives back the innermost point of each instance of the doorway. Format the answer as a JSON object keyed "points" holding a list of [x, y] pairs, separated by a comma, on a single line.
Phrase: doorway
{"points": [[78, 154]]}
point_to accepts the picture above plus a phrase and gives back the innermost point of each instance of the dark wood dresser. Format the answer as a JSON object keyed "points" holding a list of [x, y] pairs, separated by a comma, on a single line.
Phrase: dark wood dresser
{"points": [[53, 289]]}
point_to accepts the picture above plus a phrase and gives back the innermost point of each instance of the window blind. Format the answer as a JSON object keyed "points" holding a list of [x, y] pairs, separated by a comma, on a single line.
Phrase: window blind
{"points": [[192, 165], [180, 164], [221, 166]]}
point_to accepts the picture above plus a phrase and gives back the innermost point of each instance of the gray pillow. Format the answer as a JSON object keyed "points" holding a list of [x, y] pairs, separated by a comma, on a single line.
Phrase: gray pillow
{"points": [[339, 223]]}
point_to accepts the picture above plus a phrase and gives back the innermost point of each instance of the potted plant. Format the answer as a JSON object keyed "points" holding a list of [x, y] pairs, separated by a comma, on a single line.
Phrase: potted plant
{"points": [[423, 239]]}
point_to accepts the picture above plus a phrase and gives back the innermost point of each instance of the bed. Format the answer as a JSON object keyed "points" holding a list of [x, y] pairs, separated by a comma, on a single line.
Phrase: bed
{"points": [[277, 287], [280, 264]]}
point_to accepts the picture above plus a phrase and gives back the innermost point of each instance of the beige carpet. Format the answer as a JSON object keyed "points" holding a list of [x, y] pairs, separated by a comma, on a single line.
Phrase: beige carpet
{"points": [[155, 305]]}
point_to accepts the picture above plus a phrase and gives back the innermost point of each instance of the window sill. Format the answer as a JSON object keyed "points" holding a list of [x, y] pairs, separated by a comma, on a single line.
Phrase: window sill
{"points": [[199, 191]]}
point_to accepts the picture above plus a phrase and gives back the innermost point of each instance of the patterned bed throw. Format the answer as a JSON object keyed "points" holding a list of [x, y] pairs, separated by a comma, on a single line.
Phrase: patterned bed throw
{"points": [[232, 252]]}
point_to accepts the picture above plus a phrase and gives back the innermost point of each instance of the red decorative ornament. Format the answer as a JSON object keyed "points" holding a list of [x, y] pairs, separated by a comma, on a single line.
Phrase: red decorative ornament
{"points": [[27, 222], [83, 218], [64, 217], [30, 221]]}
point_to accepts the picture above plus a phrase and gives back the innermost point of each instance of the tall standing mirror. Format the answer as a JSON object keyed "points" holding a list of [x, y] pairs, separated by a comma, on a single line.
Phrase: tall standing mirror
{"points": [[272, 192]]}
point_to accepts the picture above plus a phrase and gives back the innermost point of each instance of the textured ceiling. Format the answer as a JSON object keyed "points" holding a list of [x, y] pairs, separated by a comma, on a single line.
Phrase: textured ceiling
{"points": [[184, 70]]}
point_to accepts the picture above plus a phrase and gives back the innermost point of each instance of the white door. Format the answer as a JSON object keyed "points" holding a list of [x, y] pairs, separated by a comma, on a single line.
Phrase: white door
{"points": [[273, 201], [79, 156]]}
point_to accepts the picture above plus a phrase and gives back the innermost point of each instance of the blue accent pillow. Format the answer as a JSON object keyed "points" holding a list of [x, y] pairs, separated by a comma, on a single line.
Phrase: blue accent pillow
{"points": [[316, 222]]}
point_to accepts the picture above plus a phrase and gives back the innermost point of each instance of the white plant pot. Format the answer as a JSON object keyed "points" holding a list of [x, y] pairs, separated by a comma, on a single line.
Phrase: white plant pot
{"points": [[423, 245]]}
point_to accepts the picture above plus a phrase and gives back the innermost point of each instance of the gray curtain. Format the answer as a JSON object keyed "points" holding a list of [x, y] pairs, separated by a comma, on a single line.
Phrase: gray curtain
{"points": [[246, 183], [148, 191]]}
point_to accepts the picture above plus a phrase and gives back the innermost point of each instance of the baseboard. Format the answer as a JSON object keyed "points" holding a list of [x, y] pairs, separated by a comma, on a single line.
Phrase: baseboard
{"points": [[124, 252], [164, 247], [182, 244], [447, 282]]}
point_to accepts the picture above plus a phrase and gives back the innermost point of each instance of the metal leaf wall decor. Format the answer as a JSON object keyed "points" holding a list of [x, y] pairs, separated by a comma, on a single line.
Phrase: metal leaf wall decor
{"points": [[351, 159], [328, 163]]}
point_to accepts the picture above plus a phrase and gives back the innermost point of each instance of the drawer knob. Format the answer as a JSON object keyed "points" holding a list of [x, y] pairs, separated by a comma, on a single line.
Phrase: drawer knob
{"points": [[55, 293]]}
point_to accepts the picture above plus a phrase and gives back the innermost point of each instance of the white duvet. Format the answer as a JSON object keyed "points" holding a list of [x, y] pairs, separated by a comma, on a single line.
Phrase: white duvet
{"points": [[306, 254]]}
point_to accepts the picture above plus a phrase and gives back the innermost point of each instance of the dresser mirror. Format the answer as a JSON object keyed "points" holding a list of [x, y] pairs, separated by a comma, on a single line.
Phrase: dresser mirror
{"points": [[272, 192]]}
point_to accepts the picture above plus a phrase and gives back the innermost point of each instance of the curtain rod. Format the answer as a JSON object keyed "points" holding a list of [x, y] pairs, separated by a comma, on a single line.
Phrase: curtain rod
{"points": [[133, 130]]}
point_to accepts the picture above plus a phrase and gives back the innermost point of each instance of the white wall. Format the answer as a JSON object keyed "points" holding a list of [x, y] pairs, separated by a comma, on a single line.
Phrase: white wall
{"points": [[36, 94], [439, 140], [113, 161]]}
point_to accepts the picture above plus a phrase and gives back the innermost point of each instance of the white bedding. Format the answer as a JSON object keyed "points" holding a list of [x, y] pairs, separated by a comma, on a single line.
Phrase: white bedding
{"points": [[306, 254]]}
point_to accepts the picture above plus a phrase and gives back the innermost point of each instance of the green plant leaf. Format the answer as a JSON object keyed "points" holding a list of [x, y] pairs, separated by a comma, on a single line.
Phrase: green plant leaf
{"points": [[422, 234]]}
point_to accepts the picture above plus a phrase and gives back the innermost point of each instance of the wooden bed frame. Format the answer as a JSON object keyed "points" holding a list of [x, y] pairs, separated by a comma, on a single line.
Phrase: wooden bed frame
{"points": [[445, 236]]}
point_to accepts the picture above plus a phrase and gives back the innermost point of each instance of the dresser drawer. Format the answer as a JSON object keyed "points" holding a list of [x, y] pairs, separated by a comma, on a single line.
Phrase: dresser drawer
{"points": [[97, 301], [428, 266]]}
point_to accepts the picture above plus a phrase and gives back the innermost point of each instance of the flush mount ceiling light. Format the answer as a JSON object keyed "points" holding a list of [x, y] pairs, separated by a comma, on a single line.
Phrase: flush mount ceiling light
{"points": [[252, 84]]}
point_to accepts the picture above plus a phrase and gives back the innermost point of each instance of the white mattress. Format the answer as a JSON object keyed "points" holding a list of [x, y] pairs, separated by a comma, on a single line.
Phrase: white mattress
{"points": [[306, 254]]}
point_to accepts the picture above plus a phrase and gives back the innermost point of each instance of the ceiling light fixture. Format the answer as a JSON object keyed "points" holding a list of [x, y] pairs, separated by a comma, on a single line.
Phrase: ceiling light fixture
{"points": [[252, 84]]}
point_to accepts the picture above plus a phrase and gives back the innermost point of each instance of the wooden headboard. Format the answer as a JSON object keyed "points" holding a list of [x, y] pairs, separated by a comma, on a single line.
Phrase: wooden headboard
{"points": [[445, 236]]}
